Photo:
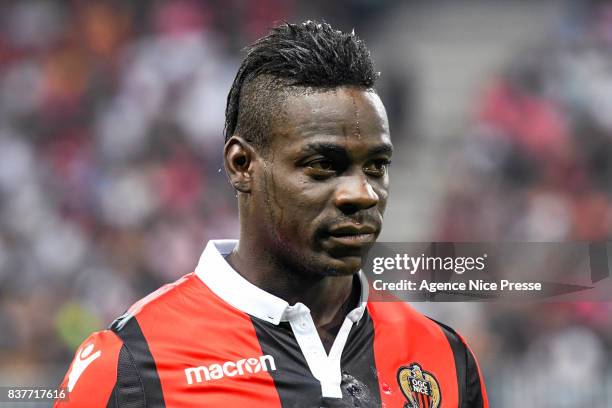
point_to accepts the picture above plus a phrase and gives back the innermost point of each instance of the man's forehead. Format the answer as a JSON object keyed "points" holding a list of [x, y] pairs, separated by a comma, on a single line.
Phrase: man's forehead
{"points": [[333, 101], [343, 111]]}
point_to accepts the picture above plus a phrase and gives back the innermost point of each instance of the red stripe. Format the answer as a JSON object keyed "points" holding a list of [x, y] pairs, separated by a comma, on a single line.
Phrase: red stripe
{"points": [[193, 327]]}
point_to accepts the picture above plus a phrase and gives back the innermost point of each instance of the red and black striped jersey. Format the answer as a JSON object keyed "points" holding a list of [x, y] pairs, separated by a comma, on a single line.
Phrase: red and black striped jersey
{"points": [[212, 339]]}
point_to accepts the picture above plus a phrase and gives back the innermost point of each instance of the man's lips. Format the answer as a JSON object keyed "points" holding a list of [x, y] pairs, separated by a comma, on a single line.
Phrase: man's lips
{"points": [[352, 229], [353, 234]]}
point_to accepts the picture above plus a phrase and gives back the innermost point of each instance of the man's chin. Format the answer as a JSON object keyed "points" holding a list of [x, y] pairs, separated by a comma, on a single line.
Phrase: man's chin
{"points": [[344, 266]]}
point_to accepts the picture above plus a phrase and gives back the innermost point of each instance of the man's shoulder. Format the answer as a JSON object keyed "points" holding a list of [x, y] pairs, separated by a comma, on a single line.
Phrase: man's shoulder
{"points": [[176, 313], [180, 302], [399, 314], [401, 317], [165, 295]]}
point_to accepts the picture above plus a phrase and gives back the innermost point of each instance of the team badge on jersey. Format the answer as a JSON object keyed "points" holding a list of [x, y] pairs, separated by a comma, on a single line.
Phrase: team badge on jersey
{"points": [[420, 387]]}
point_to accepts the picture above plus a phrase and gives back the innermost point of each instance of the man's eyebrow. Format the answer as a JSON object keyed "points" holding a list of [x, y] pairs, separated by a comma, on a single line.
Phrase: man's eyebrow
{"points": [[323, 147], [332, 148], [381, 149]]}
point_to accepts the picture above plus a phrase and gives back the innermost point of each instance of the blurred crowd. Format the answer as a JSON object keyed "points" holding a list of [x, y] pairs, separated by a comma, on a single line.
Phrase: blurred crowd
{"points": [[535, 164], [111, 134], [111, 126], [111, 180]]}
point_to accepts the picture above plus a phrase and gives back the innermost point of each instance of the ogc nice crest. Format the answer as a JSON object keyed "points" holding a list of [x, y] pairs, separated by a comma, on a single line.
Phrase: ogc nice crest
{"points": [[420, 388]]}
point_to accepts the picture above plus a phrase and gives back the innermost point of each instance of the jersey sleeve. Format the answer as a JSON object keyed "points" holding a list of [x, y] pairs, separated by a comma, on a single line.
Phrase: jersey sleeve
{"points": [[92, 375]]}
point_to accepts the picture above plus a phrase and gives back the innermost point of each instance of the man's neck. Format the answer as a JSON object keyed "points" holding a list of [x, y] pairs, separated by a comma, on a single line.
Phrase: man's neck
{"points": [[329, 298]]}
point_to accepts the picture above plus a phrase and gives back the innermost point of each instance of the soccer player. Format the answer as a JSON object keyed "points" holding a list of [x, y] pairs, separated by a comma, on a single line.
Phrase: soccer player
{"points": [[281, 318]]}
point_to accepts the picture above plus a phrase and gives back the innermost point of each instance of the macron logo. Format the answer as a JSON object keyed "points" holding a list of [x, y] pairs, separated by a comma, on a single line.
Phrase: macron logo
{"points": [[83, 359], [216, 371]]}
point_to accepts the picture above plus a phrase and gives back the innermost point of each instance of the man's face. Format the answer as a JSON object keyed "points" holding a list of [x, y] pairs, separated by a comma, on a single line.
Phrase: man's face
{"points": [[321, 187]]}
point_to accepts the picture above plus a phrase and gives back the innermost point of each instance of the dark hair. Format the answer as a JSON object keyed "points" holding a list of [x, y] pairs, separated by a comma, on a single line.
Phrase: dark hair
{"points": [[310, 56]]}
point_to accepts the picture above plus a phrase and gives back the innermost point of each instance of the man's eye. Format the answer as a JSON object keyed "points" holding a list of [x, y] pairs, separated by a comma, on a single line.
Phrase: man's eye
{"points": [[324, 165], [377, 168], [321, 169]]}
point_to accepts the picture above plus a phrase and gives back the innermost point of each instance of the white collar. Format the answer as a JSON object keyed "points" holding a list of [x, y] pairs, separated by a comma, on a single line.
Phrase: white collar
{"points": [[230, 286]]}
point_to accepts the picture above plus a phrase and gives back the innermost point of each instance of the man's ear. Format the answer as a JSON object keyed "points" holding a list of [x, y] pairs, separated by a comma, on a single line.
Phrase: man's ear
{"points": [[239, 157]]}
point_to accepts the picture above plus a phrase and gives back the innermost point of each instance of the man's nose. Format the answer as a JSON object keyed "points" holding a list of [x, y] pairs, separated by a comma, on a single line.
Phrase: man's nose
{"points": [[355, 194]]}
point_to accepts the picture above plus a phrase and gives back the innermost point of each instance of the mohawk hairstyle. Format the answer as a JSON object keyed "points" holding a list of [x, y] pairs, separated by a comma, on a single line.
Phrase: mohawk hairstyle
{"points": [[292, 58]]}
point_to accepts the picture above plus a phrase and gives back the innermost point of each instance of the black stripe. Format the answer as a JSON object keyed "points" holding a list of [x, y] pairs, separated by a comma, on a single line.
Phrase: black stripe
{"points": [[112, 400], [294, 383], [130, 390], [468, 379], [359, 375], [458, 349], [137, 367], [474, 390]]}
